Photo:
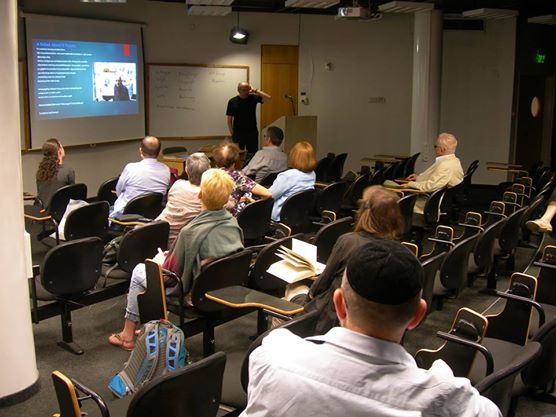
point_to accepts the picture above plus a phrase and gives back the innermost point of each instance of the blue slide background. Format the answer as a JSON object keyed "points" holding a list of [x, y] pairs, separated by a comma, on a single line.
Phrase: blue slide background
{"points": [[79, 73]]}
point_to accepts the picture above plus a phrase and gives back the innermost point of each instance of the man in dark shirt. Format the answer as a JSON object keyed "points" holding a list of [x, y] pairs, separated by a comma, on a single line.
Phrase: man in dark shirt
{"points": [[242, 118], [121, 93]]}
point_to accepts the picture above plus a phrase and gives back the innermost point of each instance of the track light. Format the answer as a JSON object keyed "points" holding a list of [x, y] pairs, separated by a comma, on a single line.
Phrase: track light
{"points": [[239, 35]]}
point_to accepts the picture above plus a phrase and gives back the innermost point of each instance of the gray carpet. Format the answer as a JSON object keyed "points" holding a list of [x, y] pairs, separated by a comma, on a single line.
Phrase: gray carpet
{"points": [[92, 326]]}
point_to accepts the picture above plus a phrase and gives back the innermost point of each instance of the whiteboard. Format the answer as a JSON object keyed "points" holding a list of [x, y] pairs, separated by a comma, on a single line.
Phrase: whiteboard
{"points": [[190, 100]]}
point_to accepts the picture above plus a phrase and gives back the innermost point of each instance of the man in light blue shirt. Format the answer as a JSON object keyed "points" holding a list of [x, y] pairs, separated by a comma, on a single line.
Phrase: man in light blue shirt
{"points": [[146, 176], [360, 369]]}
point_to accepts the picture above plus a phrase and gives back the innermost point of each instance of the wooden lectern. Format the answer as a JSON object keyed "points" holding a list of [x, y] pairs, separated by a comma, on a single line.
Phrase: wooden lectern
{"points": [[297, 129]]}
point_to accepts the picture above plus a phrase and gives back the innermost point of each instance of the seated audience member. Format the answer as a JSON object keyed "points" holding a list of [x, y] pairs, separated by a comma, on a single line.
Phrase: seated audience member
{"points": [[270, 158], [445, 172], [360, 369], [183, 198], [146, 176], [300, 177], [225, 156], [52, 174], [213, 234], [378, 218], [543, 223]]}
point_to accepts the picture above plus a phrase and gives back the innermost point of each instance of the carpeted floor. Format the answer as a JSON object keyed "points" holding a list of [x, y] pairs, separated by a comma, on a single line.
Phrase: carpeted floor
{"points": [[92, 326]]}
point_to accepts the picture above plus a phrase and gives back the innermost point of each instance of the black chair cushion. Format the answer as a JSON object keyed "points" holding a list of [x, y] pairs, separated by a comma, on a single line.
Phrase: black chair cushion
{"points": [[42, 294]]}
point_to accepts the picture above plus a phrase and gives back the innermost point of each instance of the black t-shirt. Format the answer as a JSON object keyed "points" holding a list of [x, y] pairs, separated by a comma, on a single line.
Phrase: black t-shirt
{"points": [[243, 110]]}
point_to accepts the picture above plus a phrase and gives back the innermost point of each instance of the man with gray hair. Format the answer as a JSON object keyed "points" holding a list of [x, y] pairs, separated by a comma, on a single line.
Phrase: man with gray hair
{"points": [[270, 158], [361, 369], [183, 198], [446, 170]]}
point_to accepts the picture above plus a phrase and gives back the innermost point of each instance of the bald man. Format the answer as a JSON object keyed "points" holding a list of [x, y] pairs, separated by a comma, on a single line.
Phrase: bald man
{"points": [[146, 176], [242, 118]]}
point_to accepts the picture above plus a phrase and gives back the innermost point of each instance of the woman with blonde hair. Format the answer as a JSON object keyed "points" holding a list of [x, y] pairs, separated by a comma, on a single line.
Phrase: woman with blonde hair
{"points": [[379, 217], [300, 177], [213, 234], [52, 174]]}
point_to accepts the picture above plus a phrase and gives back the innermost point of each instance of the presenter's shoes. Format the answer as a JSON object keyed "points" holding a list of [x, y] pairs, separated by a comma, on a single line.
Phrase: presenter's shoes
{"points": [[539, 225], [116, 340]]}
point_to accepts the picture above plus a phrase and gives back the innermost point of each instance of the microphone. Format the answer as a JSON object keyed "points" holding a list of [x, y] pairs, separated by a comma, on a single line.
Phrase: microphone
{"points": [[288, 97]]}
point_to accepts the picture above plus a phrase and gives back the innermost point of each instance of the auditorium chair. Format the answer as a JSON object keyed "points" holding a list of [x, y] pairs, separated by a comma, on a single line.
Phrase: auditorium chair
{"points": [[498, 386], [378, 177], [86, 221], [191, 391], [148, 205], [532, 212], [254, 220], [423, 224], [174, 149], [336, 168], [410, 165], [330, 198], [327, 236], [107, 191], [407, 203], [354, 193], [322, 168], [51, 212], [268, 180], [296, 211], [137, 245], [68, 272]]}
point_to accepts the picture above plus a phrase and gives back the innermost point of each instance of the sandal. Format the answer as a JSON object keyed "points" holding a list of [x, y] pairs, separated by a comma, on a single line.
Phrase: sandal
{"points": [[116, 340]]}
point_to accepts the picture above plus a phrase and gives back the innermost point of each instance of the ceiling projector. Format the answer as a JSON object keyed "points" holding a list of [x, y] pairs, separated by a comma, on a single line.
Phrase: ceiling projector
{"points": [[358, 12]]}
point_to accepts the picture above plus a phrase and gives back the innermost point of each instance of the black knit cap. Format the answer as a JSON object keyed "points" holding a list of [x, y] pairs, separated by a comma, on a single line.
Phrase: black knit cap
{"points": [[385, 272]]}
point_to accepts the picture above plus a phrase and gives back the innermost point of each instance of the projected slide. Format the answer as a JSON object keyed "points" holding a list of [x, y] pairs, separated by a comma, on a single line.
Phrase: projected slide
{"points": [[84, 79]]}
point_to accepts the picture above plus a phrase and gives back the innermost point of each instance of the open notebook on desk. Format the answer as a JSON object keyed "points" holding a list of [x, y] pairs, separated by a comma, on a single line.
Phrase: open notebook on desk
{"points": [[299, 262]]}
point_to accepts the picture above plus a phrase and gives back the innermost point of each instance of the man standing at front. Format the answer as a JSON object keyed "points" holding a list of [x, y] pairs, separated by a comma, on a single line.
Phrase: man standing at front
{"points": [[146, 176], [360, 369], [242, 118]]}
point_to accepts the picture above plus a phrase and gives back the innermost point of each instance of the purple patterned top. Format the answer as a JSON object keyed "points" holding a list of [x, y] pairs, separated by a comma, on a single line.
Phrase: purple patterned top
{"points": [[243, 188]]}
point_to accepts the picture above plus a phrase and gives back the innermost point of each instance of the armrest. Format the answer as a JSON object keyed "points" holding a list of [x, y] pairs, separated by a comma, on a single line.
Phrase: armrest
{"points": [[321, 184], [544, 265], [446, 242], [130, 220], [469, 343], [34, 302], [492, 213], [90, 394], [242, 297], [533, 303], [472, 226]]}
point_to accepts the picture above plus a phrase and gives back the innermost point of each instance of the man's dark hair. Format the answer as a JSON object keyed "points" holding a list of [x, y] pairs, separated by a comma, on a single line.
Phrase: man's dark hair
{"points": [[150, 146], [275, 134]]}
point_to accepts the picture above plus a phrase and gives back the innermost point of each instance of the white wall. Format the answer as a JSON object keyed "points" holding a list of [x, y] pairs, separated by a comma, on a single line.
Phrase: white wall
{"points": [[370, 59], [477, 89]]}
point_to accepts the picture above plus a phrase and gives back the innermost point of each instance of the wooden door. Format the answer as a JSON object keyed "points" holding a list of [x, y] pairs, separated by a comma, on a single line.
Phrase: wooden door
{"points": [[279, 75]]}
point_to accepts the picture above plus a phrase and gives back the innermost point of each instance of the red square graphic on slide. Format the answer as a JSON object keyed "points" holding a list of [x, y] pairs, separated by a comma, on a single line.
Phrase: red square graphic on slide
{"points": [[126, 49]]}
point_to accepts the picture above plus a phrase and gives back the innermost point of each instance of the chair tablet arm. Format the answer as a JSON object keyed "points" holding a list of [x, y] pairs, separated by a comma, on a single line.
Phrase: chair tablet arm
{"points": [[472, 226], [91, 395], [321, 184], [447, 242], [130, 220], [238, 296], [477, 346], [544, 265], [533, 303], [492, 213]]}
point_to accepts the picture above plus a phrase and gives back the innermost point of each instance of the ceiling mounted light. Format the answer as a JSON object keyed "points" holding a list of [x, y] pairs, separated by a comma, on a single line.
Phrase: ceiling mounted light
{"points": [[312, 4], [490, 14], [405, 7], [239, 35], [209, 10], [549, 19]]}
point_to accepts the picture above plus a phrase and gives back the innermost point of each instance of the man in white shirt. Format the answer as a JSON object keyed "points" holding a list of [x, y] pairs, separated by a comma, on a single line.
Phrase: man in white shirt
{"points": [[360, 369], [146, 176], [270, 158]]}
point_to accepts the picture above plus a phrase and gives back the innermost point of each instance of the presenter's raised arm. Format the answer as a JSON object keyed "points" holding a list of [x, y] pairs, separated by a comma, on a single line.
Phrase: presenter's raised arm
{"points": [[266, 97]]}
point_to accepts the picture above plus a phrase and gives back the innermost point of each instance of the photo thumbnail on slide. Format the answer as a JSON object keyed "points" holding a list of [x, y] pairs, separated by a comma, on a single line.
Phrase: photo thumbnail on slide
{"points": [[83, 79], [114, 81]]}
